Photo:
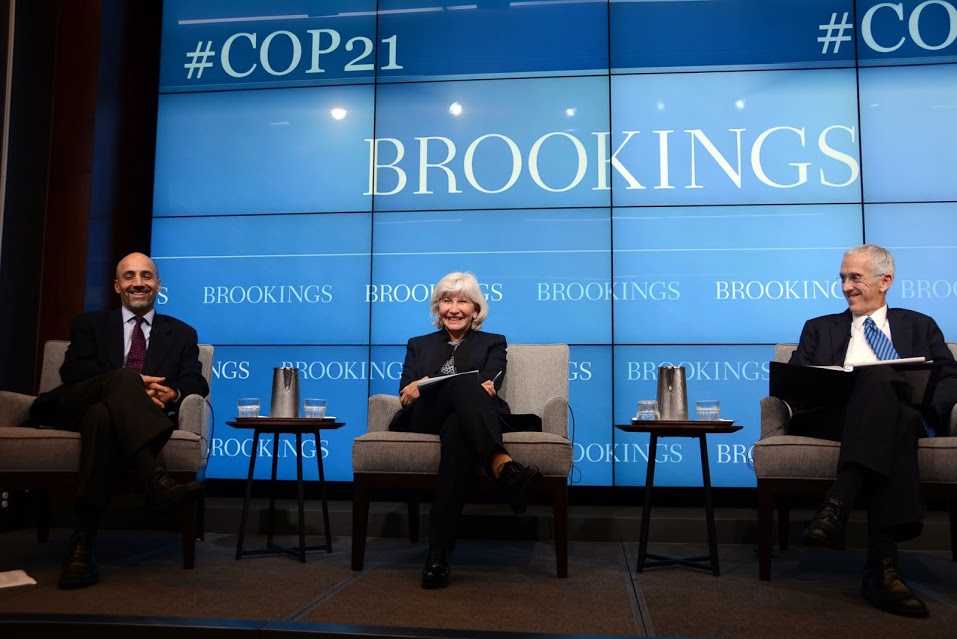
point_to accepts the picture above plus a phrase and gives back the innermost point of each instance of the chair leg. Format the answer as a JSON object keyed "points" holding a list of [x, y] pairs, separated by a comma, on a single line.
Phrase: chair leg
{"points": [[201, 518], [784, 525], [559, 494], [765, 526], [952, 506], [42, 506], [360, 521], [414, 522], [188, 524]]}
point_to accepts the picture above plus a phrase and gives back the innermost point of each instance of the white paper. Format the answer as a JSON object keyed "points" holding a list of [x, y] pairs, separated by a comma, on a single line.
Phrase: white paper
{"points": [[13, 578], [436, 380]]}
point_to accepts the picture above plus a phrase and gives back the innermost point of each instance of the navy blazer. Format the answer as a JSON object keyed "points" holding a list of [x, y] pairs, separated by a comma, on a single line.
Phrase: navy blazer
{"points": [[96, 346], [825, 339], [484, 352]]}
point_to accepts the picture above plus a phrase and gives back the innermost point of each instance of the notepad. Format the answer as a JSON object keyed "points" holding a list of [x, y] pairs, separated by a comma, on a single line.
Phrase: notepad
{"points": [[13, 578], [435, 380]]}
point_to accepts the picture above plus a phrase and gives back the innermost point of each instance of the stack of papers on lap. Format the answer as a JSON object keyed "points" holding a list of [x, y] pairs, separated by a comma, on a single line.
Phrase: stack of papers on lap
{"points": [[436, 380]]}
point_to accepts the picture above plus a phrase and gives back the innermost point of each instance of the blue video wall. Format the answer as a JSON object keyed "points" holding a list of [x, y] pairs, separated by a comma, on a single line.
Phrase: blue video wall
{"points": [[652, 182]]}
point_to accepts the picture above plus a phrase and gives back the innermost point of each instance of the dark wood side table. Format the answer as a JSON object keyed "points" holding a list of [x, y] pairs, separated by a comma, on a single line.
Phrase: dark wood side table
{"points": [[279, 426], [696, 429]]}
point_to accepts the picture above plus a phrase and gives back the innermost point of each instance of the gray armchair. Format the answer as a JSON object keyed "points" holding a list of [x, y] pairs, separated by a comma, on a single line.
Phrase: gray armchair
{"points": [[789, 465], [386, 462], [45, 460]]}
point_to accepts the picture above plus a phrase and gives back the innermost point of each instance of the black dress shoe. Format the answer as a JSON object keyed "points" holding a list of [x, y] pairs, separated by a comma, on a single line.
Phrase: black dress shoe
{"points": [[163, 493], [828, 526], [884, 587], [519, 483], [79, 569], [435, 572]]}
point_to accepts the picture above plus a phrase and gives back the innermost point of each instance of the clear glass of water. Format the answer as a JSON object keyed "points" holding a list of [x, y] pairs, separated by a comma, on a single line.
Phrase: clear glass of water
{"points": [[647, 409], [248, 407], [314, 408], [709, 410]]}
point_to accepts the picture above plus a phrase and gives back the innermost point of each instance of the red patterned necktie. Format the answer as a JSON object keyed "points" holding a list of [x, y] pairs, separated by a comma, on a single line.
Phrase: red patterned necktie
{"points": [[137, 347]]}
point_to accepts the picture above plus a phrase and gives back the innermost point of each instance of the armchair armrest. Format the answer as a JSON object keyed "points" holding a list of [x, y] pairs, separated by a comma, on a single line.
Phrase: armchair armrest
{"points": [[555, 416], [194, 415], [953, 424], [14, 408], [775, 418], [382, 408]]}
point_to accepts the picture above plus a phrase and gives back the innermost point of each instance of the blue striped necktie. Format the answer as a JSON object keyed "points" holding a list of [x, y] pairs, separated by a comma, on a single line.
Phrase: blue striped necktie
{"points": [[878, 342]]}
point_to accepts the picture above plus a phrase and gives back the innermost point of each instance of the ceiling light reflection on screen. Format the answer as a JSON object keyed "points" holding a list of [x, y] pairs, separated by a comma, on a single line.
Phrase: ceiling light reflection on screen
{"points": [[570, 112], [739, 104], [338, 113], [455, 108]]}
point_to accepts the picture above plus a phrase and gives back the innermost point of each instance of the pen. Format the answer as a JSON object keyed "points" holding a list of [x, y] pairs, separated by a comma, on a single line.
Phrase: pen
{"points": [[496, 376]]}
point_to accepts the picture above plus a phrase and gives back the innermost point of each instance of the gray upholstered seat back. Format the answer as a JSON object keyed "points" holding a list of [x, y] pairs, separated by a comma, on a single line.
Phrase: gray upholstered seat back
{"points": [[54, 351], [782, 352], [535, 373]]}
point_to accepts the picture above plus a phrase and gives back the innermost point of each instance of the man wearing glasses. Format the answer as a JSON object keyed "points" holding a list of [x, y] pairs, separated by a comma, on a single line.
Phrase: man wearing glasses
{"points": [[877, 427]]}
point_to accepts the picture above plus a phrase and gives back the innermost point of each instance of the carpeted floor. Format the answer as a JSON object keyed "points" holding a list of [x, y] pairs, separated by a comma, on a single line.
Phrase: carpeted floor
{"points": [[497, 586]]}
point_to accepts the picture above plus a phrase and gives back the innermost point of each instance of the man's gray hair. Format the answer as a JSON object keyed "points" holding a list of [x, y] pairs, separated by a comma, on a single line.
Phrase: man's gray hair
{"points": [[882, 262]]}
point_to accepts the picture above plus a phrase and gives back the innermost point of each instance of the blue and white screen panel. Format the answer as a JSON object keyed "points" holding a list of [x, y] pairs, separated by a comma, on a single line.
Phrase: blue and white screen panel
{"points": [[250, 152], [667, 36], [589, 425], [764, 137], [906, 32], [731, 275], [925, 252], [269, 280], [235, 44], [545, 273], [492, 144], [461, 40], [909, 133]]}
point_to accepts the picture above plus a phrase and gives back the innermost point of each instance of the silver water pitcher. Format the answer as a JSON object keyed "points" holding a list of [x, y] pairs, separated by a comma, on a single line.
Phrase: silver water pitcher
{"points": [[672, 393], [285, 392]]}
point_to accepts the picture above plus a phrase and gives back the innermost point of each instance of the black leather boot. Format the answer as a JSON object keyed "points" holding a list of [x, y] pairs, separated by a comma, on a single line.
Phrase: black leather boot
{"points": [[163, 493], [828, 526], [80, 569], [884, 587], [435, 572], [518, 484]]}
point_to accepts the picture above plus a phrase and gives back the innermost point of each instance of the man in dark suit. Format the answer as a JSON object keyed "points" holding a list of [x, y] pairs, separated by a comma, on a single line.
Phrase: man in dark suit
{"points": [[877, 426], [124, 375]]}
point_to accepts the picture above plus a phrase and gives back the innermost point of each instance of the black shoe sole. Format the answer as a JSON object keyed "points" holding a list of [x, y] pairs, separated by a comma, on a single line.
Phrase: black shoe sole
{"points": [[822, 542], [432, 583], [891, 608], [529, 488]]}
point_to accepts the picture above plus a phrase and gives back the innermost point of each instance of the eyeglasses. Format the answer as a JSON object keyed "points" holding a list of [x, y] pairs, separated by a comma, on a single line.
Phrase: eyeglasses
{"points": [[856, 278]]}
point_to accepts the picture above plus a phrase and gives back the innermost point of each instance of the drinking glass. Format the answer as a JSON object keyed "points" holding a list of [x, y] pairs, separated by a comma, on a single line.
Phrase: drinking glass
{"points": [[648, 409], [314, 408], [249, 407], [709, 410]]}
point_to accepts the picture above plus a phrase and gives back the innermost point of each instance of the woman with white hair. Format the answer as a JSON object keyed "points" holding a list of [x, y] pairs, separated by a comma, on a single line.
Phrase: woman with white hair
{"points": [[464, 411]]}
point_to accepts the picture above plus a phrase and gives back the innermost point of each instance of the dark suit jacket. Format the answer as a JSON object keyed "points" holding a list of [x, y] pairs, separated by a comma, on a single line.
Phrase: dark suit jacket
{"points": [[825, 339], [96, 346], [484, 352]]}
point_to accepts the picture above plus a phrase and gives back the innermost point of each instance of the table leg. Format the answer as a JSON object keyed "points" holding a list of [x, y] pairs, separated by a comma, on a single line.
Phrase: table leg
{"points": [[272, 488], [322, 494], [302, 518], [709, 505], [249, 491], [646, 510]]}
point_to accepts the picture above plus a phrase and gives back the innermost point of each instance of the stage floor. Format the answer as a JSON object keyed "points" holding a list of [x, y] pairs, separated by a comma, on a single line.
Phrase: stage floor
{"points": [[498, 586]]}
